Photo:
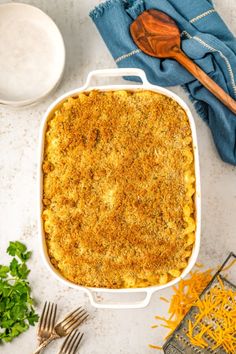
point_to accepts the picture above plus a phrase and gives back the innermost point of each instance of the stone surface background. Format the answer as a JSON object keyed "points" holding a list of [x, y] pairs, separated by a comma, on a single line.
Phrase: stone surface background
{"points": [[107, 331]]}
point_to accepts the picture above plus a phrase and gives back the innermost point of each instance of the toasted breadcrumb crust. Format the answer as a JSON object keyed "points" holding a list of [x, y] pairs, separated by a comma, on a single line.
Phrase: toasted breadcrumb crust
{"points": [[118, 189]]}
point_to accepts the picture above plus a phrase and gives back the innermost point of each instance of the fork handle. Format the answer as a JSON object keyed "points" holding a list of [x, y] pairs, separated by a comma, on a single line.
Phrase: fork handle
{"points": [[52, 337]]}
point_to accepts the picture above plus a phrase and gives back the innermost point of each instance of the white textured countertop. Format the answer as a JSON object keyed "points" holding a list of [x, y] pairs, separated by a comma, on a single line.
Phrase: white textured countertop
{"points": [[107, 331]]}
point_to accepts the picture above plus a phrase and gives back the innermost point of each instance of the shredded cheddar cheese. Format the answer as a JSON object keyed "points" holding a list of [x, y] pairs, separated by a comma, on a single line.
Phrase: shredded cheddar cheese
{"points": [[199, 265], [214, 325], [186, 294], [155, 346], [215, 320], [230, 265]]}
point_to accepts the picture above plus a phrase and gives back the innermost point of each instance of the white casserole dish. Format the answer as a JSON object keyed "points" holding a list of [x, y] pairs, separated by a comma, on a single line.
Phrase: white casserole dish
{"points": [[92, 292]]}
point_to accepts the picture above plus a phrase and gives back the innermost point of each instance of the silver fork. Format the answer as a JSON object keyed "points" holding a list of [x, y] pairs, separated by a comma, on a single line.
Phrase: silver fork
{"points": [[71, 343], [65, 327], [47, 321]]}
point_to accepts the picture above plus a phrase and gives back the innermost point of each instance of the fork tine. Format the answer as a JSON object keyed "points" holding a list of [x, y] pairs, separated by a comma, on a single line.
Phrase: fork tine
{"points": [[77, 343], [73, 340], [76, 322], [42, 318], [52, 317], [80, 313], [68, 317], [67, 342], [46, 316], [72, 344], [49, 316]]}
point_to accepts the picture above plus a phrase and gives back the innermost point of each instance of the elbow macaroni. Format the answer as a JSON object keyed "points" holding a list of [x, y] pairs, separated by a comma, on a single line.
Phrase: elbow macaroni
{"points": [[119, 188]]}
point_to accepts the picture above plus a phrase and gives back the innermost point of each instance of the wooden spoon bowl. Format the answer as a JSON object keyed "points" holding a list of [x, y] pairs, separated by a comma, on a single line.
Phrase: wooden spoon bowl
{"points": [[157, 35]]}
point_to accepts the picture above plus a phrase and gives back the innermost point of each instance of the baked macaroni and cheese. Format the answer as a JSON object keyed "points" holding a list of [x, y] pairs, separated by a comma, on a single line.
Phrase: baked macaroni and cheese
{"points": [[119, 189]]}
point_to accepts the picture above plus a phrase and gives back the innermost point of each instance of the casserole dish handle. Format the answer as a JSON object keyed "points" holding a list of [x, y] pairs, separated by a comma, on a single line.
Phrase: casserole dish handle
{"points": [[119, 305], [115, 73]]}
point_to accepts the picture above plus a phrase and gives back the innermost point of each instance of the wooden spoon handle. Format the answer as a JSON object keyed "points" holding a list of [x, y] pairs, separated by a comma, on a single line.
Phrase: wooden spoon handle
{"points": [[205, 80]]}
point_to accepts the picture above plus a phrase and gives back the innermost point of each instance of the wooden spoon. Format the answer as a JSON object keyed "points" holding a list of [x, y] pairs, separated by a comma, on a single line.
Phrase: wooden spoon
{"points": [[157, 34]]}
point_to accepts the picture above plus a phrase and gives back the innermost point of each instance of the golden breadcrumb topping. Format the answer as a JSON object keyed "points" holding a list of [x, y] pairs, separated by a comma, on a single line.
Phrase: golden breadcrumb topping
{"points": [[118, 189]]}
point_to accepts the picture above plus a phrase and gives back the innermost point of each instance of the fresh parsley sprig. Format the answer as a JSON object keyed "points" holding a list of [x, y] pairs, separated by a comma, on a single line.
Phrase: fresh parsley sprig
{"points": [[16, 304]]}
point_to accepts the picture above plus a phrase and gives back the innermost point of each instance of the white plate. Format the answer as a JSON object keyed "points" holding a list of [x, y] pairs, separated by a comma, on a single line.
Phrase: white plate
{"points": [[32, 54]]}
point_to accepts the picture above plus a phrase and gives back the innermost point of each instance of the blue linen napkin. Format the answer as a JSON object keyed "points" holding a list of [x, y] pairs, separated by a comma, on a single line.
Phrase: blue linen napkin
{"points": [[205, 38]]}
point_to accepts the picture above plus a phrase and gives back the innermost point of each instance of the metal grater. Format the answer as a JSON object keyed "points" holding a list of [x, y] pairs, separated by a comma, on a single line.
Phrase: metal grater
{"points": [[179, 343]]}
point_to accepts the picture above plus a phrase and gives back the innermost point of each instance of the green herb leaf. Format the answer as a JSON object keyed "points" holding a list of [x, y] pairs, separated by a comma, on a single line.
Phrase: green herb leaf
{"points": [[23, 271], [16, 247], [19, 249], [14, 265], [16, 304], [33, 318], [3, 271], [26, 256]]}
